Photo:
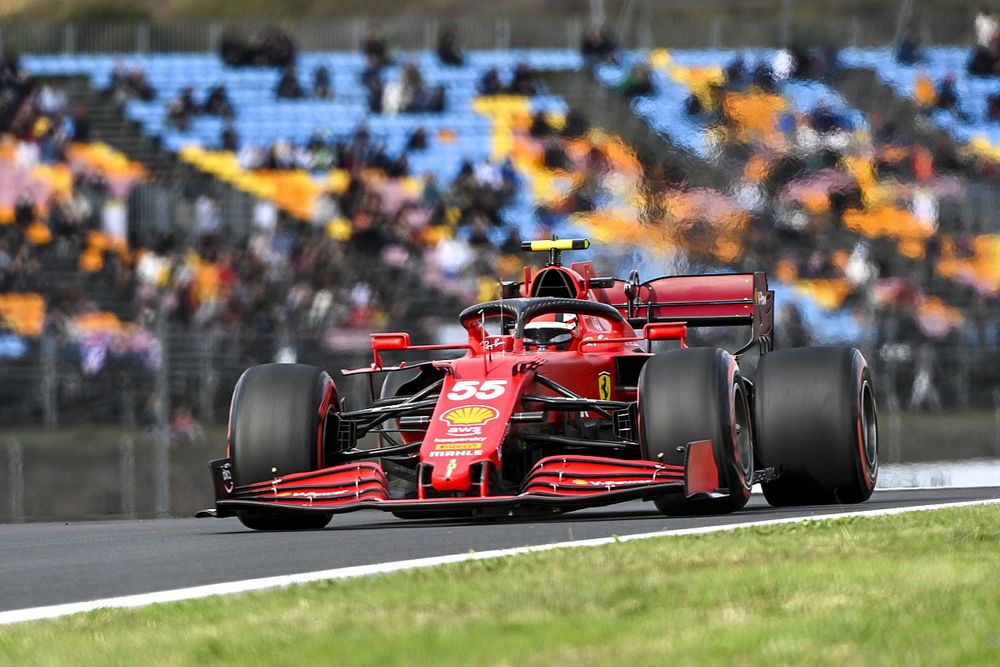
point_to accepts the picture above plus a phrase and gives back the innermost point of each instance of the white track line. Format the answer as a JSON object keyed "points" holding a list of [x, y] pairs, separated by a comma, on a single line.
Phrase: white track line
{"points": [[248, 585]]}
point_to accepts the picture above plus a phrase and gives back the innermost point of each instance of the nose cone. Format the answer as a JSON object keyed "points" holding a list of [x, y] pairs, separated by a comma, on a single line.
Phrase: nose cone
{"points": [[452, 473]]}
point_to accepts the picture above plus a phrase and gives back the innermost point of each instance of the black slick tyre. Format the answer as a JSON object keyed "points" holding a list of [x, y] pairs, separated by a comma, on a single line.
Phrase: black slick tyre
{"points": [[816, 419], [690, 395], [275, 428]]}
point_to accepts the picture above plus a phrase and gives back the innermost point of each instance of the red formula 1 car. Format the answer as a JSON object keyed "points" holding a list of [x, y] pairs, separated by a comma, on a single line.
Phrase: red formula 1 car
{"points": [[563, 399]]}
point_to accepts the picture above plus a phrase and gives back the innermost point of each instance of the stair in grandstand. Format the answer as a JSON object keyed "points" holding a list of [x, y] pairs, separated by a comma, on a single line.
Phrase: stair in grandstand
{"points": [[607, 109], [864, 91], [108, 125], [98, 288]]}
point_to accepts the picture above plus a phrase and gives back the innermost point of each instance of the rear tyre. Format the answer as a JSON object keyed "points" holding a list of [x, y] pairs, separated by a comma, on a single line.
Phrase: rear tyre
{"points": [[816, 419], [275, 428], [690, 395]]}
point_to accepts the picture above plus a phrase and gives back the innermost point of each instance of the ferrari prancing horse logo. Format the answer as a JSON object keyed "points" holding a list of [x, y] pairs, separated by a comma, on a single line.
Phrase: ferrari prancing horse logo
{"points": [[604, 385]]}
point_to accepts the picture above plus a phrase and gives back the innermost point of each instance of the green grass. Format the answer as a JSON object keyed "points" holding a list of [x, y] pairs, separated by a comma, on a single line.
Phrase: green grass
{"points": [[914, 589]]}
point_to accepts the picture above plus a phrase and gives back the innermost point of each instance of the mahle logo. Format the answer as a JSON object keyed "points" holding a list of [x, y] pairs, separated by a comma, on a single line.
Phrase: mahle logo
{"points": [[470, 415]]}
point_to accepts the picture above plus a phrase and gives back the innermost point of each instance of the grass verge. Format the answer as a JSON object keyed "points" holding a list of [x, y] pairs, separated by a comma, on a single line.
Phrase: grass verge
{"points": [[913, 589]]}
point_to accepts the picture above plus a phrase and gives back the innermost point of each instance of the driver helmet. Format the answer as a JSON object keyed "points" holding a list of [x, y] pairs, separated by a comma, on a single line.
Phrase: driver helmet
{"points": [[550, 333]]}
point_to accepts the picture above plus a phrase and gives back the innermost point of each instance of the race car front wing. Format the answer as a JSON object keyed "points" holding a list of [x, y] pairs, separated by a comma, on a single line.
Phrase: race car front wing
{"points": [[558, 483]]}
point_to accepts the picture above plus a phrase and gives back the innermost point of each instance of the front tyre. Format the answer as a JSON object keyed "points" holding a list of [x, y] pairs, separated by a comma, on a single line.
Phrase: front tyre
{"points": [[276, 427], [816, 419], [690, 395]]}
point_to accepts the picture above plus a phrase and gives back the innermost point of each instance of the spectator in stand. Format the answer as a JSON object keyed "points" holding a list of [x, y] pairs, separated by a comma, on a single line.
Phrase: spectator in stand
{"points": [[823, 118], [50, 100], [51, 138], [448, 50], [795, 62], [288, 86], [987, 29], [735, 73], [184, 427], [576, 125], [207, 221], [983, 62], [947, 96], [434, 100], [233, 49], [993, 108], [274, 48], [217, 103], [417, 140], [229, 140], [597, 47], [181, 108], [81, 124], [412, 88], [765, 77], [524, 81], [984, 57], [375, 49], [322, 154], [490, 84], [908, 51], [130, 83], [371, 79], [11, 93], [10, 67], [322, 88], [923, 92], [540, 126], [280, 156], [637, 83]]}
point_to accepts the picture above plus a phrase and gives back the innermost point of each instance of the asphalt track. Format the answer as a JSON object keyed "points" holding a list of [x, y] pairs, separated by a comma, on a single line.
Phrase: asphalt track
{"points": [[55, 563]]}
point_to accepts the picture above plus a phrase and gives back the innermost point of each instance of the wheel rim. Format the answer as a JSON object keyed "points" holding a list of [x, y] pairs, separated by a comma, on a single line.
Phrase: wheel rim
{"points": [[869, 429], [744, 436]]}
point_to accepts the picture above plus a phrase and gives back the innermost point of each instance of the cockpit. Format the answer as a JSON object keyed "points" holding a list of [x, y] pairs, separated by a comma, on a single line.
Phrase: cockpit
{"points": [[543, 324]]}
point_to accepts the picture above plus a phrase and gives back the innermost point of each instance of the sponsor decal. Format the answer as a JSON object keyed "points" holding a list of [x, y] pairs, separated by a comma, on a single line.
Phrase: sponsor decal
{"points": [[470, 415], [465, 430], [463, 438], [456, 447], [452, 446], [609, 482], [227, 478], [313, 494], [604, 385], [452, 464], [485, 390], [493, 343]]}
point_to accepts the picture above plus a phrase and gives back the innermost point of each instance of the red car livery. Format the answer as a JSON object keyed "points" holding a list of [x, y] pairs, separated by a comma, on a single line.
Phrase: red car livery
{"points": [[574, 390]]}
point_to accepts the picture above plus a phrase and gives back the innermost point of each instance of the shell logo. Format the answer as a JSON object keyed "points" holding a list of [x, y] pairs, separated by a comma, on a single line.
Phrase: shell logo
{"points": [[470, 415]]}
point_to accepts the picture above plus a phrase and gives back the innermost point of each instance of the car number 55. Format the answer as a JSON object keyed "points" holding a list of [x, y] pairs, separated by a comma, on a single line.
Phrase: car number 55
{"points": [[484, 391]]}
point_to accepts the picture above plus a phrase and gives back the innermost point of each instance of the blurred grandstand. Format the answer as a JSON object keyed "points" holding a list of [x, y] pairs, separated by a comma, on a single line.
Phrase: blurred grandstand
{"points": [[176, 205]]}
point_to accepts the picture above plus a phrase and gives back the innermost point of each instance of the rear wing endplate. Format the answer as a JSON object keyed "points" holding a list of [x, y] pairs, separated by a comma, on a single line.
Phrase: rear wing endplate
{"points": [[728, 299]]}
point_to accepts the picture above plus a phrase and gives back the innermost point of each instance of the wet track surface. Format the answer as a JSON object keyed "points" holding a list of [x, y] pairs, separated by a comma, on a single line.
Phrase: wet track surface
{"points": [[53, 563]]}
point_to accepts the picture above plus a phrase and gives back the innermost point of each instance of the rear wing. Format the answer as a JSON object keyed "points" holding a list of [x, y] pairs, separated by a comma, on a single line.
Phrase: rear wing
{"points": [[728, 299]]}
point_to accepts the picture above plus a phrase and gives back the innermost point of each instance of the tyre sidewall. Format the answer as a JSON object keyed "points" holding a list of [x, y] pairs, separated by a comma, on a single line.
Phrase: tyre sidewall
{"points": [[686, 396], [808, 405], [275, 420]]}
